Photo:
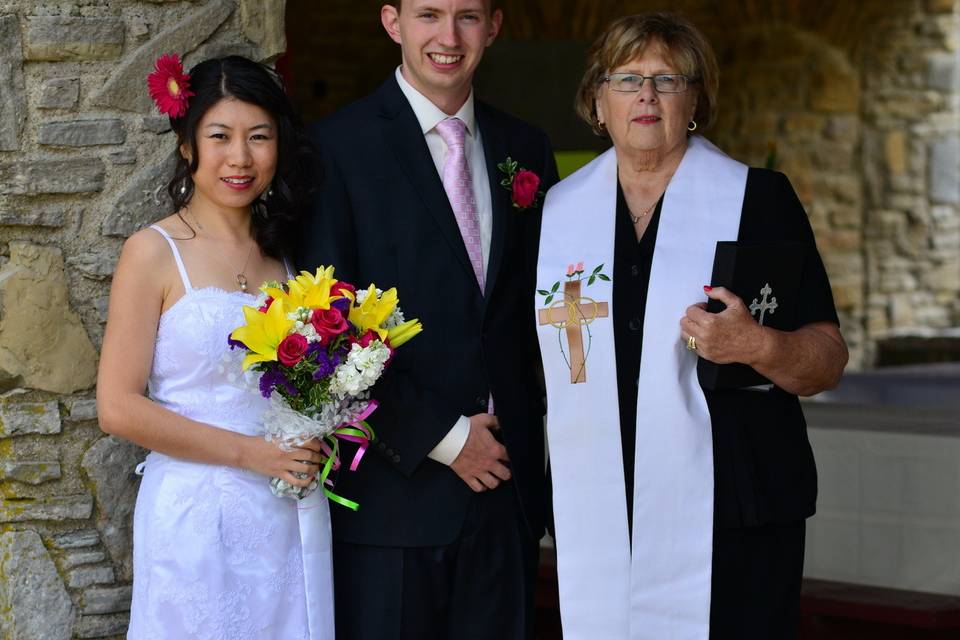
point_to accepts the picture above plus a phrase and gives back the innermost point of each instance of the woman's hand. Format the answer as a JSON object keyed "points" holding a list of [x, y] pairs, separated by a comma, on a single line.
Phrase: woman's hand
{"points": [[270, 460], [803, 362], [729, 336]]}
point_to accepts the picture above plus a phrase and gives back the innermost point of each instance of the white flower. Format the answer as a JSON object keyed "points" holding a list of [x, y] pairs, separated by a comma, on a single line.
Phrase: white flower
{"points": [[300, 316], [395, 319], [362, 368], [309, 332]]}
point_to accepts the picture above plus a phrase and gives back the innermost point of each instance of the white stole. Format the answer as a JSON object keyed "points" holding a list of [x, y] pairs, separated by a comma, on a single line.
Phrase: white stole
{"points": [[663, 589]]}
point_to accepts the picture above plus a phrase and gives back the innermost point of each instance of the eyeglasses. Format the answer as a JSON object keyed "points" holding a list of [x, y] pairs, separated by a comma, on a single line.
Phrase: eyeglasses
{"points": [[632, 82]]}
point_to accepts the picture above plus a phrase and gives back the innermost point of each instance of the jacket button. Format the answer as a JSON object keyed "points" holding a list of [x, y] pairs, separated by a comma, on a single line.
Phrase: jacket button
{"points": [[634, 270], [635, 324], [481, 401], [389, 452], [380, 445], [396, 458]]}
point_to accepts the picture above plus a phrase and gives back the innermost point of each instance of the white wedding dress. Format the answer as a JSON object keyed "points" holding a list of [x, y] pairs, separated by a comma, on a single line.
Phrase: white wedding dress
{"points": [[216, 556]]}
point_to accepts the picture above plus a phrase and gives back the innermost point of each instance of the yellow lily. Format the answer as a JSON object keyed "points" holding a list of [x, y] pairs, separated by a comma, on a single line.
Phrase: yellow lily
{"points": [[373, 311], [323, 273], [263, 332], [402, 333], [307, 291]]}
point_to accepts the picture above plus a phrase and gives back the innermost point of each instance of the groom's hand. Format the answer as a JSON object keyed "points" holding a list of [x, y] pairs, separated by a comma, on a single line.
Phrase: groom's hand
{"points": [[480, 463]]}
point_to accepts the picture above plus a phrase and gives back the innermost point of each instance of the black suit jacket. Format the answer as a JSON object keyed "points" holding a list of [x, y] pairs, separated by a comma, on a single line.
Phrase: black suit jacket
{"points": [[381, 215]]}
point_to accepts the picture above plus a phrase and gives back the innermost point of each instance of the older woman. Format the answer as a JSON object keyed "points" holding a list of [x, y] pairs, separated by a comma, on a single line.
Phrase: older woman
{"points": [[679, 511]]}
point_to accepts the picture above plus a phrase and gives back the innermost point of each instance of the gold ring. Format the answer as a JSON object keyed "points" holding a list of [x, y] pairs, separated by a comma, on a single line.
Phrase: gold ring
{"points": [[692, 343]]}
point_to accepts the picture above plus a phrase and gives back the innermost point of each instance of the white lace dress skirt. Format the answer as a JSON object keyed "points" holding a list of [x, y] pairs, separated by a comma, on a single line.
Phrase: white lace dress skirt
{"points": [[218, 557]]}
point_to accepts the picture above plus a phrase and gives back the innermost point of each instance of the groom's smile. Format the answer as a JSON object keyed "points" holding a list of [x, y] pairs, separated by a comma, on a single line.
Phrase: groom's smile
{"points": [[445, 61]]}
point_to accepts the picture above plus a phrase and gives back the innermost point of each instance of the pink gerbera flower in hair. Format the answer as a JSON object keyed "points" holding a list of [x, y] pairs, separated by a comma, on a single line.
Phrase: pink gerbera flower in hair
{"points": [[169, 86]]}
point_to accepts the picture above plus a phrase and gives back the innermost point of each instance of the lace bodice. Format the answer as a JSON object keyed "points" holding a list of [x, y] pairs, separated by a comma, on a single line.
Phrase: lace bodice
{"points": [[195, 372]]}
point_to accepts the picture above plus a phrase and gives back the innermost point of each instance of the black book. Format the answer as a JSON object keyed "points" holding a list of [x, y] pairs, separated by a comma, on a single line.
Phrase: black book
{"points": [[767, 278]]}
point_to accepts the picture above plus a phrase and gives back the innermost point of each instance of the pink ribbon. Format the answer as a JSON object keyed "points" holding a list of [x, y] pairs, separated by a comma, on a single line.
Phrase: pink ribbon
{"points": [[364, 442]]}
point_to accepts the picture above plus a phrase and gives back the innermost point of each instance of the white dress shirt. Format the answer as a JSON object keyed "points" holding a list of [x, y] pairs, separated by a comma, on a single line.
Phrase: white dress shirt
{"points": [[429, 116]]}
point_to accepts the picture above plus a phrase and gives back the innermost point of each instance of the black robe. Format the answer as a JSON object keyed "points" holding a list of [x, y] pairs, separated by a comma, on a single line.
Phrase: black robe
{"points": [[764, 475]]}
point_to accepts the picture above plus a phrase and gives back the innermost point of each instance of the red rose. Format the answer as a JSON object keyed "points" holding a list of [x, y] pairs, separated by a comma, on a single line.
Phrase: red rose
{"points": [[365, 340], [328, 322], [525, 186], [340, 287], [266, 305], [291, 349]]}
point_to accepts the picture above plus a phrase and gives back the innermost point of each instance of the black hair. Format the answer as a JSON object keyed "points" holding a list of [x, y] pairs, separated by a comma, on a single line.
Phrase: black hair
{"points": [[275, 216]]}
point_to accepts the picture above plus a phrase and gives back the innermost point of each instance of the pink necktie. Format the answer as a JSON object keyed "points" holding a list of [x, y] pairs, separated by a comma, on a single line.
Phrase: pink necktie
{"points": [[458, 184]]}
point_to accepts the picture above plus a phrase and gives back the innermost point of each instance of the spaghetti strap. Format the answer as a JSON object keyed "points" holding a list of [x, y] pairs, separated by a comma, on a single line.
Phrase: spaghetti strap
{"points": [[176, 257], [289, 269]]}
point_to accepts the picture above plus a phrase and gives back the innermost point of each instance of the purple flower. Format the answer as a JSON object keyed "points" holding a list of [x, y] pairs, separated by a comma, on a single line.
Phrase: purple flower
{"points": [[342, 305], [271, 379], [326, 363], [236, 344]]}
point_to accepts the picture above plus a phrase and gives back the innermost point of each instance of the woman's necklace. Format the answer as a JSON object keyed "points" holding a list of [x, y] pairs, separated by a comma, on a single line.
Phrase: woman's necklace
{"points": [[241, 275], [646, 212]]}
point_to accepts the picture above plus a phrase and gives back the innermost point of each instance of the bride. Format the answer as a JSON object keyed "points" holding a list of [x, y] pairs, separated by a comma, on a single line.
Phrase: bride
{"points": [[216, 555]]}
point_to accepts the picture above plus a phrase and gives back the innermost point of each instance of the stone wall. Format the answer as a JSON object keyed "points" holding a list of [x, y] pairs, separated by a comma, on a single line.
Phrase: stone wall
{"points": [[82, 156], [911, 168]]}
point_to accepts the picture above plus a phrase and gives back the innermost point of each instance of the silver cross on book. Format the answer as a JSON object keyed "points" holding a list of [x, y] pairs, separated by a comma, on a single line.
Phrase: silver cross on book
{"points": [[767, 278]]}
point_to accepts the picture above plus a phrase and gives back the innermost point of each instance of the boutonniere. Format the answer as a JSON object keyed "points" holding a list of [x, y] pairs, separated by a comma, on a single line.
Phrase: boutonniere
{"points": [[523, 185]]}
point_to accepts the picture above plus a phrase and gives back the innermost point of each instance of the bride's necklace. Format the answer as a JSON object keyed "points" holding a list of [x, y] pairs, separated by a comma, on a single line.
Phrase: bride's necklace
{"points": [[241, 275]]}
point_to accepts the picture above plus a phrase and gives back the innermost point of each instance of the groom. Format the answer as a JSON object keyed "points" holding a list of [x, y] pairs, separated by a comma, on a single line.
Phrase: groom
{"points": [[445, 543]]}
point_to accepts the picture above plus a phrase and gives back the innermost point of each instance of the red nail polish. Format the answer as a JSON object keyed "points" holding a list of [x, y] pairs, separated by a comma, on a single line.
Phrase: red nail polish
{"points": [[707, 288]]}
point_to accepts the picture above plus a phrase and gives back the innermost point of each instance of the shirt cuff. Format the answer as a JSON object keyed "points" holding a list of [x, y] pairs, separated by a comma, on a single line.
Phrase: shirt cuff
{"points": [[451, 445]]}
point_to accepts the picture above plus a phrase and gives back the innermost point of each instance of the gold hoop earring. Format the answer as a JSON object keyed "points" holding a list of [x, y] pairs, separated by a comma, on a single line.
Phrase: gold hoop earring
{"points": [[692, 125]]}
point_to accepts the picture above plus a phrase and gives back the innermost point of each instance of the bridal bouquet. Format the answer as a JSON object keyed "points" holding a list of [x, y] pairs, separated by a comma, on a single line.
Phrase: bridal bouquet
{"points": [[319, 345]]}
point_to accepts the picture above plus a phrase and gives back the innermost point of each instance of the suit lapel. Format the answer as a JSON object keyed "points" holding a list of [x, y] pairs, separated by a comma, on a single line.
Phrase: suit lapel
{"points": [[402, 133], [495, 152]]}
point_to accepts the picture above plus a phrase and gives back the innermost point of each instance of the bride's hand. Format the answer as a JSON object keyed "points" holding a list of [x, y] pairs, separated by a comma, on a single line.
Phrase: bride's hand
{"points": [[270, 460]]}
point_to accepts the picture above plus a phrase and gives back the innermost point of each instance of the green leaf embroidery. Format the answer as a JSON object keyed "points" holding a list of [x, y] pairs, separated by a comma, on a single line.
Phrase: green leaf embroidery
{"points": [[590, 280], [603, 277], [542, 292], [548, 300], [556, 285]]}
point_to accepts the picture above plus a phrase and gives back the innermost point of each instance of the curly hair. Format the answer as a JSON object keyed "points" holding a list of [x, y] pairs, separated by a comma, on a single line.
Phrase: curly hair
{"points": [[275, 217]]}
